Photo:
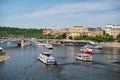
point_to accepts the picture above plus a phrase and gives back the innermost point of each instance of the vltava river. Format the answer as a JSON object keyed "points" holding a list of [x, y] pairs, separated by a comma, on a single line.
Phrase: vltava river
{"points": [[23, 64]]}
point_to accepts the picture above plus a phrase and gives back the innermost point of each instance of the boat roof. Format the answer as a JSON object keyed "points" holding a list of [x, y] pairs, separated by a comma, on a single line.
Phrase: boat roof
{"points": [[79, 54], [1, 48], [46, 53]]}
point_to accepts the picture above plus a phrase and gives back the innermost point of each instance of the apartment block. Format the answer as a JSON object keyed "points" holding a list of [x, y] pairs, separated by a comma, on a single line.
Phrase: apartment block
{"points": [[112, 29]]}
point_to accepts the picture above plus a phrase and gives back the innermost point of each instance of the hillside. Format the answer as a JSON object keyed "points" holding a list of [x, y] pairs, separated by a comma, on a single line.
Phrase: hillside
{"points": [[19, 32]]}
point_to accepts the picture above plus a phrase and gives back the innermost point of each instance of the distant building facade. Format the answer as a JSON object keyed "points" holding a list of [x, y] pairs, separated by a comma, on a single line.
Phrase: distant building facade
{"points": [[94, 31], [112, 30], [80, 31], [51, 31]]}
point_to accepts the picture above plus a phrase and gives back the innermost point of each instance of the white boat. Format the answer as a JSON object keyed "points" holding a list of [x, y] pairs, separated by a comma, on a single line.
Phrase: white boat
{"points": [[84, 57], [2, 51], [85, 54], [92, 45], [41, 44], [48, 46], [47, 58]]}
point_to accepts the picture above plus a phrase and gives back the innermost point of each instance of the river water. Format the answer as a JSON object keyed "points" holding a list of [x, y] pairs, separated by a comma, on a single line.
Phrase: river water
{"points": [[24, 65]]}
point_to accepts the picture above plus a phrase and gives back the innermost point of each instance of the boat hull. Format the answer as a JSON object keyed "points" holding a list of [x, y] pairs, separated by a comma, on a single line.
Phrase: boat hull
{"points": [[84, 57], [45, 61]]}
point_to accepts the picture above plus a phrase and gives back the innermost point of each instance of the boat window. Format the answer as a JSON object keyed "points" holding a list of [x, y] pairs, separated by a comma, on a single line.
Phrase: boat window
{"points": [[47, 54]]}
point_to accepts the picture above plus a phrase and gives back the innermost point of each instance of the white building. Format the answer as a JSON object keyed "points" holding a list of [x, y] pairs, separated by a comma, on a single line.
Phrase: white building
{"points": [[112, 29]]}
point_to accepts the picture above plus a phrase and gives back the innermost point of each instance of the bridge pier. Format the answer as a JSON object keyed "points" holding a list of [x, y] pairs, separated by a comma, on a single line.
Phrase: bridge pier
{"points": [[22, 43]]}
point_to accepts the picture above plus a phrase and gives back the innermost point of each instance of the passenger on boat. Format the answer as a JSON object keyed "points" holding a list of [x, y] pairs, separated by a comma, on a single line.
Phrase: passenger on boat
{"points": [[89, 51]]}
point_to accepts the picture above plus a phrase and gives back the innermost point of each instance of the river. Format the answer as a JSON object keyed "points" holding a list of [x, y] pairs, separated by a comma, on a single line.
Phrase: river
{"points": [[24, 65]]}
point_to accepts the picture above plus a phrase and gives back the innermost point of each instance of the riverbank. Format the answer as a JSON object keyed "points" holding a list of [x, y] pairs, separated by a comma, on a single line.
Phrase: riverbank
{"points": [[4, 57], [109, 44]]}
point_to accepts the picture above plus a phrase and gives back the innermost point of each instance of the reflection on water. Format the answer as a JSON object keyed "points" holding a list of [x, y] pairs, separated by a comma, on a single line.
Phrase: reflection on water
{"points": [[8, 44], [112, 54], [2, 64], [24, 65], [112, 50]]}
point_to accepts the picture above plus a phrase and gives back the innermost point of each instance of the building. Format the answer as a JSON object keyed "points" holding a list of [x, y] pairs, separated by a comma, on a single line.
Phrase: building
{"points": [[80, 31], [94, 31], [51, 31], [112, 30]]}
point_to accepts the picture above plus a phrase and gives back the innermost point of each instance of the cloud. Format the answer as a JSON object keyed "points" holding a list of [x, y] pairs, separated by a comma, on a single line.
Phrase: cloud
{"points": [[90, 13], [71, 9]]}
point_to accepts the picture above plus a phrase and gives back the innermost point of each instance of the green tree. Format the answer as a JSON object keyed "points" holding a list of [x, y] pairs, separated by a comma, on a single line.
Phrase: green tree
{"points": [[70, 37], [77, 38], [63, 36], [58, 37], [19, 32], [118, 38], [108, 37]]}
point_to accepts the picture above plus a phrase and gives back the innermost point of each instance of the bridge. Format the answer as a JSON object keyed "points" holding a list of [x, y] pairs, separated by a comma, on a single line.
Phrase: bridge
{"points": [[24, 42]]}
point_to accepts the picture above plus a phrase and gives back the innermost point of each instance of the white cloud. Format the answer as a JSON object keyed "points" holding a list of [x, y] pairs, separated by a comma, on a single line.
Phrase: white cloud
{"points": [[91, 14], [71, 9]]}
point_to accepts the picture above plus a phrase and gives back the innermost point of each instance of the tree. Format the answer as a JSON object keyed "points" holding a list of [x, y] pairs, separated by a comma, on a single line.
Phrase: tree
{"points": [[103, 32], [108, 37], [118, 38], [17, 32], [58, 37], [77, 38], [98, 38], [63, 36], [70, 37]]}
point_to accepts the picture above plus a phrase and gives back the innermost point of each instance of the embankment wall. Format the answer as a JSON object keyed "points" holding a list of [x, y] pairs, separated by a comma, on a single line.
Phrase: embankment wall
{"points": [[109, 44]]}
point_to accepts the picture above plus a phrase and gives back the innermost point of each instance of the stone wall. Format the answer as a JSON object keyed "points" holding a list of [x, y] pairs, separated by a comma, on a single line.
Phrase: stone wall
{"points": [[109, 44]]}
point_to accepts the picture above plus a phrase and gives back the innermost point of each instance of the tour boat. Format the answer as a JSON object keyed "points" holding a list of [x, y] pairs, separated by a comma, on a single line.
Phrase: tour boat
{"points": [[85, 54], [47, 58], [84, 57], [2, 51], [41, 44]]}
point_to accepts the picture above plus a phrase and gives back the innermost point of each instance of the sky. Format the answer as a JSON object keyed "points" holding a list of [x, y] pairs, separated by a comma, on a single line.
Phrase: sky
{"points": [[59, 14]]}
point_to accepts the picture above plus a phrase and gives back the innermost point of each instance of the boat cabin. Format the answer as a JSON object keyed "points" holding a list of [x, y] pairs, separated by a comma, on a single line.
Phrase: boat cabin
{"points": [[46, 54], [2, 51]]}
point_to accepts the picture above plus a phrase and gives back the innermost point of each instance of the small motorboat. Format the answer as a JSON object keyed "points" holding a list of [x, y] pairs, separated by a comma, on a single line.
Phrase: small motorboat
{"points": [[47, 58], [3, 55], [92, 45], [2, 51], [40, 44], [85, 54], [48, 46]]}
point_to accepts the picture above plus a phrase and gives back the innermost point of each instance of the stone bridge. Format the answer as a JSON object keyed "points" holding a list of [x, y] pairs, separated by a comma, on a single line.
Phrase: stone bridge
{"points": [[24, 42]]}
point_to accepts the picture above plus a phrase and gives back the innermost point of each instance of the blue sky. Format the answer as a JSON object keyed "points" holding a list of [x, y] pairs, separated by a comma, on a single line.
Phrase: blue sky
{"points": [[58, 14]]}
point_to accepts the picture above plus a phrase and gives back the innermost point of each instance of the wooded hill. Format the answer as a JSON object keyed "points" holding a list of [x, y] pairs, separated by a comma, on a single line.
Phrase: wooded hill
{"points": [[38, 33], [19, 32]]}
